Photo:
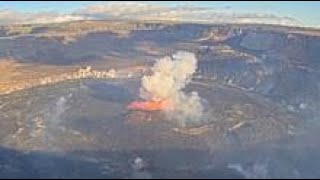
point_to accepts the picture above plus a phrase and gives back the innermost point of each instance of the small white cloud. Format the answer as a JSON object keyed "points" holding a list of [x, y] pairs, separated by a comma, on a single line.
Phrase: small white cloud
{"points": [[14, 17], [119, 9], [54, 18]]}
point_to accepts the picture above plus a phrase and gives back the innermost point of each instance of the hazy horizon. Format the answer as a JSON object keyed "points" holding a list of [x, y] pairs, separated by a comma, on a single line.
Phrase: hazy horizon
{"points": [[303, 12]]}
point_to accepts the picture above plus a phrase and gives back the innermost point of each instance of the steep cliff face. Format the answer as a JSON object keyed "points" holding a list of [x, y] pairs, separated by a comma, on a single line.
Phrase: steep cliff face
{"points": [[261, 41]]}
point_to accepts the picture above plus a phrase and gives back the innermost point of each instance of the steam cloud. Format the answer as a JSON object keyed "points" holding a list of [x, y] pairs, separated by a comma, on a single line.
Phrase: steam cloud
{"points": [[169, 77]]}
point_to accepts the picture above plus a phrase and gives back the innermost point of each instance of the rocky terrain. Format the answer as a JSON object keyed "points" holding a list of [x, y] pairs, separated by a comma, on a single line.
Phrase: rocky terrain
{"points": [[64, 88]]}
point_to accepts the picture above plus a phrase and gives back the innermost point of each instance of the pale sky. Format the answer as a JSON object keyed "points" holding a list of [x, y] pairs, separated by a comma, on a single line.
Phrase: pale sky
{"points": [[306, 12]]}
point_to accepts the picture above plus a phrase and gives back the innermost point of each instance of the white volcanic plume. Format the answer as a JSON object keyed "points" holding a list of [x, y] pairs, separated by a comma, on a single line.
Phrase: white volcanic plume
{"points": [[169, 77]]}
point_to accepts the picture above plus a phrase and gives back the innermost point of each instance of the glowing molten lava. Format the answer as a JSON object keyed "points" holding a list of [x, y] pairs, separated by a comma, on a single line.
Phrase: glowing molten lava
{"points": [[150, 105]]}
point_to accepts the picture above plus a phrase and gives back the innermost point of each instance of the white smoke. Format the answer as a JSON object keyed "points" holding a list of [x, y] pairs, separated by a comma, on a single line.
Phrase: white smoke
{"points": [[169, 77], [259, 170]]}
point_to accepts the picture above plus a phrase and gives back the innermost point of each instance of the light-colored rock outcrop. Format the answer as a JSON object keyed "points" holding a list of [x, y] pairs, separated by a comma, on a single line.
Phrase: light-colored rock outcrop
{"points": [[83, 73]]}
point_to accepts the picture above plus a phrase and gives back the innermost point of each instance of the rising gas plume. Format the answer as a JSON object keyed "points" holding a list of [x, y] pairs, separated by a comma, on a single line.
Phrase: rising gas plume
{"points": [[163, 89]]}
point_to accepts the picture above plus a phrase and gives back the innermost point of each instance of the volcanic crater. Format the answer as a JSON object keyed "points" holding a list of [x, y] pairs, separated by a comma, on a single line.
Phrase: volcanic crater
{"points": [[261, 104]]}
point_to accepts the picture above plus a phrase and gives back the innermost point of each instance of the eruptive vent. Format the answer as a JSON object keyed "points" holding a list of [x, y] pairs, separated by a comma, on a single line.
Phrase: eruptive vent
{"points": [[149, 105], [162, 90]]}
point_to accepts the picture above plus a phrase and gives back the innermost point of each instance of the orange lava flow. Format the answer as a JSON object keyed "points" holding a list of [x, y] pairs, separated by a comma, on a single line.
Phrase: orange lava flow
{"points": [[149, 105]]}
